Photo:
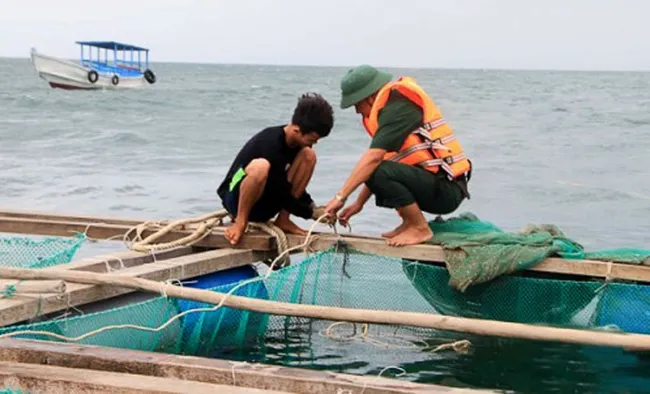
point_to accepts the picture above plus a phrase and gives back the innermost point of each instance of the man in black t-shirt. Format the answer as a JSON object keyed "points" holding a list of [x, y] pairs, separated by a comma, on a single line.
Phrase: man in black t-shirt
{"points": [[269, 175]]}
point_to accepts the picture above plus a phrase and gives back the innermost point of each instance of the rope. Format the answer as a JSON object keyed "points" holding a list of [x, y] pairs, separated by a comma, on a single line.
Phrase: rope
{"points": [[207, 223], [280, 238], [308, 239], [396, 341], [608, 277]]}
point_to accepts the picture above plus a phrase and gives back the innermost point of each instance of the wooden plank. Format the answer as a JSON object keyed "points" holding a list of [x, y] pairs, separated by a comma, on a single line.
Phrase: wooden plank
{"points": [[207, 370], [21, 307], [112, 262], [36, 379], [253, 241], [260, 241], [433, 253], [69, 218], [126, 259]]}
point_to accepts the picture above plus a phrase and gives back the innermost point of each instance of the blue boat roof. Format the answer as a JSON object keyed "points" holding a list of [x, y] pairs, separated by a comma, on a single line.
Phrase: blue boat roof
{"points": [[112, 45]]}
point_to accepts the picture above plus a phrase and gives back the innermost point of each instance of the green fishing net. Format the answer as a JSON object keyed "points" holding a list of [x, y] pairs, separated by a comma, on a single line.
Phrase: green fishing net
{"points": [[343, 277], [23, 252], [478, 251], [482, 260]]}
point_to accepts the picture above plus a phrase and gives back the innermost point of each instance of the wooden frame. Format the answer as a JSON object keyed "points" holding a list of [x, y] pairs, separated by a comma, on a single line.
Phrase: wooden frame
{"points": [[23, 307], [104, 228], [38, 364]]}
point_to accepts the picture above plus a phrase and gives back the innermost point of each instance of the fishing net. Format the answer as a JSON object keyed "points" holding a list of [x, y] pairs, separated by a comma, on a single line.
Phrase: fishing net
{"points": [[342, 277], [23, 252], [329, 278], [478, 251], [12, 391], [483, 277]]}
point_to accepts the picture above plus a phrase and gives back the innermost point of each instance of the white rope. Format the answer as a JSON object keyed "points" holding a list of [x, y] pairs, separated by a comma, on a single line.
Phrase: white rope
{"points": [[308, 240]]}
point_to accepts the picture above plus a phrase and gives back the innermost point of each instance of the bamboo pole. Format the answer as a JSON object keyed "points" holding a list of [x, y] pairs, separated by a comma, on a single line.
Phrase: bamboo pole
{"points": [[424, 320], [35, 287], [16, 309]]}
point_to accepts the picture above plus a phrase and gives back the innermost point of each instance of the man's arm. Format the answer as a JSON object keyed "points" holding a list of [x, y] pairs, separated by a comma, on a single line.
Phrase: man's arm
{"points": [[366, 165], [301, 207], [396, 121], [364, 195]]}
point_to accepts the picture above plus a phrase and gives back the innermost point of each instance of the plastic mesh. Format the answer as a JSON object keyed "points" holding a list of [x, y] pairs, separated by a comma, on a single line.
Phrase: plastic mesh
{"points": [[8, 390], [351, 279], [22, 252], [347, 278], [478, 252], [327, 278]]}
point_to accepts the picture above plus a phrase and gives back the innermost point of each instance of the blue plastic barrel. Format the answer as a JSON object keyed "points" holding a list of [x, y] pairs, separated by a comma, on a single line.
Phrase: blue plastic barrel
{"points": [[626, 306], [205, 332]]}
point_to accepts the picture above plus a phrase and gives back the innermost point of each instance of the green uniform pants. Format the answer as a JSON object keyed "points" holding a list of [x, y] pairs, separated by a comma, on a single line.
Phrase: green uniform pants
{"points": [[397, 185]]}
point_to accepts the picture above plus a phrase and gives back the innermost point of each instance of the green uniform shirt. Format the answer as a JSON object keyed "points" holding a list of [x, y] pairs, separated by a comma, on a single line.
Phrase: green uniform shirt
{"points": [[396, 185], [397, 120]]}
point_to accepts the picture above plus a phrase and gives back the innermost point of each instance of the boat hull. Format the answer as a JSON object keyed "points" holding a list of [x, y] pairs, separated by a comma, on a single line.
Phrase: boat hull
{"points": [[64, 74]]}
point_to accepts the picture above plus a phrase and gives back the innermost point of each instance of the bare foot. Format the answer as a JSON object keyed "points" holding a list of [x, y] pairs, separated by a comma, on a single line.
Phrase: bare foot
{"points": [[234, 232], [395, 231], [411, 236], [289, 227]]}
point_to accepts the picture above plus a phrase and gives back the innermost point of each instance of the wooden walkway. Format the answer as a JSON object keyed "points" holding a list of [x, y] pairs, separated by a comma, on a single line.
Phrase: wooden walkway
{"points": [[46, 367], [104, 228]]}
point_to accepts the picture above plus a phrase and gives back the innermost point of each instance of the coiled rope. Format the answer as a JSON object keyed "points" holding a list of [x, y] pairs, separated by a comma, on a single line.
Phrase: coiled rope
{"points": [[206, 224]]}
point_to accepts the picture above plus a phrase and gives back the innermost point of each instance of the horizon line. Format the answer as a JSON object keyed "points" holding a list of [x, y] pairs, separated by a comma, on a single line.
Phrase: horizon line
{"points": [[463, 68]]}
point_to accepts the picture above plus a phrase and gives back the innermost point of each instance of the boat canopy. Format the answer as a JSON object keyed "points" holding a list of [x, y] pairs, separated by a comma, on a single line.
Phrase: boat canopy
{"points": [[126, 59], [116, 46]]}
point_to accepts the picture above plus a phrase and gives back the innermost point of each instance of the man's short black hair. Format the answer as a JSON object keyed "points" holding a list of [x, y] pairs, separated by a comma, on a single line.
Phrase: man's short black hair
{"points": [[313, 114]]}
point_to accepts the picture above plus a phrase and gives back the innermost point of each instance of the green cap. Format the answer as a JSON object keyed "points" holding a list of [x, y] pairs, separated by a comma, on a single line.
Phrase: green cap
{"points": [[361, 82]]}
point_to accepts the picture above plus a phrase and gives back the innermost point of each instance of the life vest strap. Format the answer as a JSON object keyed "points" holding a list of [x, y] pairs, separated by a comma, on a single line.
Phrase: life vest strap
{"points": [[427, 137], [446, 162], [427, 145], [434, 125]]}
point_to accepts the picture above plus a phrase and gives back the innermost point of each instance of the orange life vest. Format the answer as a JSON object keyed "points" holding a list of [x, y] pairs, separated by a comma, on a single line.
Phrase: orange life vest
{"points": [[431, 146]]}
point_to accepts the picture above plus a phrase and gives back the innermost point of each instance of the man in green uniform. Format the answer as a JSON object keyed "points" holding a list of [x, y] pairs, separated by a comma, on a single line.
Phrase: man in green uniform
{"points": [[408, 189]]}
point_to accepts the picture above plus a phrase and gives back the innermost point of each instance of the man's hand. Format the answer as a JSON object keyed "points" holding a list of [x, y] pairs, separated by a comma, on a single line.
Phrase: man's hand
{"points": [[350, 211], [320, 211], [333, 207]]}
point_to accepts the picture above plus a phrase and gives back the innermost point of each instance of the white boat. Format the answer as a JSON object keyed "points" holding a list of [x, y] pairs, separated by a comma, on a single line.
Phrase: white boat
{"points": [[97, 72]]}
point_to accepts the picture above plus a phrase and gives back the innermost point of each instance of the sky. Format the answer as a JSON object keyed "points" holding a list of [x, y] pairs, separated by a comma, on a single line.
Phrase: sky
{"points": [[479, 34]]}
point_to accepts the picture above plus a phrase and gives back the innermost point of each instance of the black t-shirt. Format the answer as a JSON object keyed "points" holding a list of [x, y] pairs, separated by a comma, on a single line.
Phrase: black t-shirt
{"points": [[270, 144]]}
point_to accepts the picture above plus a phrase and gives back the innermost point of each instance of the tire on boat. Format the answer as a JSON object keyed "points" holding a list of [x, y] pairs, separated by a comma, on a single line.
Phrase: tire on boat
{"points": [[149, 76], [115, 80], [92, 76]]}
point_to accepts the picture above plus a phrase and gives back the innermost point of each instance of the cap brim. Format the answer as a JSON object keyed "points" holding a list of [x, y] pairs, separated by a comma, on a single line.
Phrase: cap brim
{"points": [[381, 79]]}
